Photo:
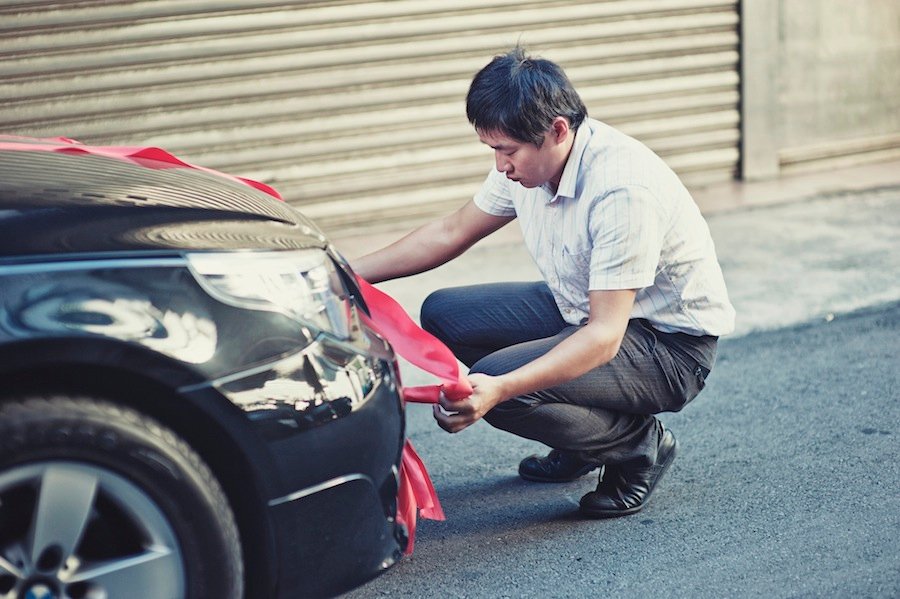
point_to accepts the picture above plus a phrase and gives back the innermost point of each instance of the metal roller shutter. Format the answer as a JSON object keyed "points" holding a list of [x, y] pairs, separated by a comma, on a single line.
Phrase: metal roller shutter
{"points": [[355, 110]]}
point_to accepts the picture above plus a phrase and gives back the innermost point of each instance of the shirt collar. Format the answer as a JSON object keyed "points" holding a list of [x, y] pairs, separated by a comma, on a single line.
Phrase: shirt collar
{"points": [[569, 179]]}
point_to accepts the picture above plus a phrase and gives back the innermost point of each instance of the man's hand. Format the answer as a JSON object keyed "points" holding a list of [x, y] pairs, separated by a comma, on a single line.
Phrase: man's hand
{"points": [[487, 392]]}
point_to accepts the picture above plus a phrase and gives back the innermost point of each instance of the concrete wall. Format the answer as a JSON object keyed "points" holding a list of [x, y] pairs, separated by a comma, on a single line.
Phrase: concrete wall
{"points": [[821, 83]]}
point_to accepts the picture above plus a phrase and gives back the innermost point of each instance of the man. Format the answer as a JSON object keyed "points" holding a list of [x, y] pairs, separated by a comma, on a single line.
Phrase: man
{"points": [[625, 323]]}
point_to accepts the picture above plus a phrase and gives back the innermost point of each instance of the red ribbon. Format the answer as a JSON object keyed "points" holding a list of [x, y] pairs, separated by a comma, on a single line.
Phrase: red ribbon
{"points": [[416, 494], [148, 157], [421, 348]]}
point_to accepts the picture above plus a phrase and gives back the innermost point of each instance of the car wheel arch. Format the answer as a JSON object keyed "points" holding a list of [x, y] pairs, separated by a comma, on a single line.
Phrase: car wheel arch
{"points": [[230, 461]]}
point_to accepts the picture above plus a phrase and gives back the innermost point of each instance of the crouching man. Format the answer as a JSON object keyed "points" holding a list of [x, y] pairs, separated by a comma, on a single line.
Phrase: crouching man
{"points": [[625, 322]]}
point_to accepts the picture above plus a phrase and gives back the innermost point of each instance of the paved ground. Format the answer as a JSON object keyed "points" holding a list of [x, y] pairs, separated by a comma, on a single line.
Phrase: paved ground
{"points": [[785, 486], [786, 482]]}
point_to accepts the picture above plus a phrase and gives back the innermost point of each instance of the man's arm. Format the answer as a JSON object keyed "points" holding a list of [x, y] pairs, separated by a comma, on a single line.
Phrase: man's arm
{"points": [[430, 245], [593, 345]]}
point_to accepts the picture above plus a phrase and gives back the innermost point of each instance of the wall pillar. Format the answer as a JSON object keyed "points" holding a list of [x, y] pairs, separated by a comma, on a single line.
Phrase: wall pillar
{"points": [[759, 89]]}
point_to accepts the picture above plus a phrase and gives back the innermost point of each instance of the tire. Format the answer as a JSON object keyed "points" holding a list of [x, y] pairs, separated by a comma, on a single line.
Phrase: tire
{"points": [[98, 500]]}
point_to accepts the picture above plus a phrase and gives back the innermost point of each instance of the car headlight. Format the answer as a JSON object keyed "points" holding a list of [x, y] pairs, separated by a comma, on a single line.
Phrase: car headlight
{"points": [[301, 284]]}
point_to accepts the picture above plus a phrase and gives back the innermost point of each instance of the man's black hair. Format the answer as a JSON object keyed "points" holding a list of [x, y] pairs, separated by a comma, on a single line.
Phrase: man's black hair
{"points": [[519, 96]]}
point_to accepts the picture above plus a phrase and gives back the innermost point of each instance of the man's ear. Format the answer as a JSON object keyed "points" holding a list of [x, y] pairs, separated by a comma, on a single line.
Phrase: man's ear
{"points": [[560, 129]]}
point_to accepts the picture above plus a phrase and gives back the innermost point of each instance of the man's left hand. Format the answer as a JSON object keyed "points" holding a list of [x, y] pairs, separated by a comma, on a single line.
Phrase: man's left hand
{"points": [[454, 416]]}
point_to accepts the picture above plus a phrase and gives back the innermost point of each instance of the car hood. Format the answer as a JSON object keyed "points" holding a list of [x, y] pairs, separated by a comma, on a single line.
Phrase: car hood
{"points": [[59, 203]]}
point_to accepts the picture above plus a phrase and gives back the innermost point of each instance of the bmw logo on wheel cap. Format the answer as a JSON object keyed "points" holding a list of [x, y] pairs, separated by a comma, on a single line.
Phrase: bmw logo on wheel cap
{"points": [[40, 591]]}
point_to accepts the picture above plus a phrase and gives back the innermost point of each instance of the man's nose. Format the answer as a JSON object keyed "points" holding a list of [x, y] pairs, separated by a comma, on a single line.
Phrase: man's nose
{"points": [[503, 164]]}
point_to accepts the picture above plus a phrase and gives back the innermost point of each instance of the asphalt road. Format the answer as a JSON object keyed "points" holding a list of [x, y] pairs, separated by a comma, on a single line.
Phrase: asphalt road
{"points": [[786, 485]]}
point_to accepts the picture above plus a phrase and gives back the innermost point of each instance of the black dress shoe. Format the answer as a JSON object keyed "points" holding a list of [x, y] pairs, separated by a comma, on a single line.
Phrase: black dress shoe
{"points": [[556, 467], [624, 491]]}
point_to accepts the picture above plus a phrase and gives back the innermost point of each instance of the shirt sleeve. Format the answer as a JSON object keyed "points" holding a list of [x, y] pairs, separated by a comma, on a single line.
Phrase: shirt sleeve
{"points": [[626, 227], [494, 197]]}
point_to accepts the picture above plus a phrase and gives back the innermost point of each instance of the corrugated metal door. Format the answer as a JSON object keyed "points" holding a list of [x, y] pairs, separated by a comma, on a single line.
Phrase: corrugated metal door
{"points": [[355, 110]]}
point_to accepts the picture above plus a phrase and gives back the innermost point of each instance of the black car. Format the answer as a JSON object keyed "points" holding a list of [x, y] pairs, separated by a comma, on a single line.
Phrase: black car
{"points": [[192, 403]]}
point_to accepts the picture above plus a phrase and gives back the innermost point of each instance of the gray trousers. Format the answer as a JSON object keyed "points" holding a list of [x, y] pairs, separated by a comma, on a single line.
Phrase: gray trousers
{"points": [[605, 415]]}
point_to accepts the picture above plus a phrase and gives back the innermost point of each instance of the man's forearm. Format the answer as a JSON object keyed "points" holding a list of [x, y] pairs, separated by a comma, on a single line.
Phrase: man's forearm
{"points": [[430, 245], [423, 249], [584, 350], [592, 345]]}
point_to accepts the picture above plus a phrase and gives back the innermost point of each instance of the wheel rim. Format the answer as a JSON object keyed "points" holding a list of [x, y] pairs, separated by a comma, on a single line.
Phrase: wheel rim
{"points": [[76, 531]]}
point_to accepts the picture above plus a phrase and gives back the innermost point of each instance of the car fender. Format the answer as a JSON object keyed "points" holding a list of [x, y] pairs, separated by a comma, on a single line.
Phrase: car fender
{"points": [[150, 382]]}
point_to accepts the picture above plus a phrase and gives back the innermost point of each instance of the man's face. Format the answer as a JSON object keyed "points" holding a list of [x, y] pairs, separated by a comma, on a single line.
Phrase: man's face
{"points": [[526, 163]]}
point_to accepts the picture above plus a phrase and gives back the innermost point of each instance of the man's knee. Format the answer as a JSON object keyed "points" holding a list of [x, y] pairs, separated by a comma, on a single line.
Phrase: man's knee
{"points": [[507, 413], [433, 312], [493, 365]]}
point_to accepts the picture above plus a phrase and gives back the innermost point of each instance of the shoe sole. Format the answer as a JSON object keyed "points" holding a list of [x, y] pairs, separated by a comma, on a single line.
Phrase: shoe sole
{"points": [[663, 466], [576, 476]]}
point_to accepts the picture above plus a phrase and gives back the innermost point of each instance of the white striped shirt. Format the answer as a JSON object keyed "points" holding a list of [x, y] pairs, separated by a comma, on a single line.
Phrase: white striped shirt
{"points": [[621, 219]]}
